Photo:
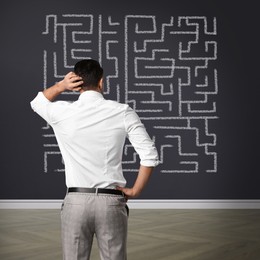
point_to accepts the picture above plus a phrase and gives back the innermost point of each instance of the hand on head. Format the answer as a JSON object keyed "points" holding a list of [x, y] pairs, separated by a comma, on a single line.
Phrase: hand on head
{"points": [[72, 82]]}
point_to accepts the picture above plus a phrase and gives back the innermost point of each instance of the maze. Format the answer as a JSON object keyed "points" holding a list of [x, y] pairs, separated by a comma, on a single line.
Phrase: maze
{"points": [[163, 67]]}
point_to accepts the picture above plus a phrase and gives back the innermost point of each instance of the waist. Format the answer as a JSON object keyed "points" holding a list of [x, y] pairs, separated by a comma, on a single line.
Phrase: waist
{"points": [[95, 190]]}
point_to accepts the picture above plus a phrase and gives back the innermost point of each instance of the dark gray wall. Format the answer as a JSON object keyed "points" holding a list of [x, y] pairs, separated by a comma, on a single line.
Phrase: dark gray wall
{"points": [[189, 68]]}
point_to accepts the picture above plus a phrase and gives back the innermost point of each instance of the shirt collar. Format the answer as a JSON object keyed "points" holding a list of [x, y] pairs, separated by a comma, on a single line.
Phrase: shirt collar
{"points": [[90, 94]]}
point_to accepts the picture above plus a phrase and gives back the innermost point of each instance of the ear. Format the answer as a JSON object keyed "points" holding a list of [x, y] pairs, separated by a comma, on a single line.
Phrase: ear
{"points": [[100, 84]]}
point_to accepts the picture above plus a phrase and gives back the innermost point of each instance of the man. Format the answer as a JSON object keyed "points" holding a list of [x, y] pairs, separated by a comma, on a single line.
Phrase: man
{"points": [[91, 134]]}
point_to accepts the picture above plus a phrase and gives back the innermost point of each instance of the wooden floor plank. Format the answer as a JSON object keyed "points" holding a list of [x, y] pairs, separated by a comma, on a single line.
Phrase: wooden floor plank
{"points": [[174, 234]]}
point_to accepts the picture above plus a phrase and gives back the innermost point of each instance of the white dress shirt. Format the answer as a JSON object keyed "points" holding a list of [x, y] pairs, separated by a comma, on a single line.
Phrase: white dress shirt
{"points": [[91, 134]]}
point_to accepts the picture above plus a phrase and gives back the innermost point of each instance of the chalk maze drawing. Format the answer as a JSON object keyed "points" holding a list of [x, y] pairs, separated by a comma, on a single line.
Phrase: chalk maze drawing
{"points": [[164, 68]]}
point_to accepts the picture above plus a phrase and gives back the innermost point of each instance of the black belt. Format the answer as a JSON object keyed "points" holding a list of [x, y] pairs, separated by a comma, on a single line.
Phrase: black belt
{"points": [[96, 191]]}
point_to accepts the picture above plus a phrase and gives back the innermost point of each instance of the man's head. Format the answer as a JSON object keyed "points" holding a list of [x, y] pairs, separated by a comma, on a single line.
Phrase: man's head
{"points": [[91, 73]]}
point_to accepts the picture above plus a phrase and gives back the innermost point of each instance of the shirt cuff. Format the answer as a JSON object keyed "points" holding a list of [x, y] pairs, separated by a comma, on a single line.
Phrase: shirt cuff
{"points": [[39, 99], [149, 163]]}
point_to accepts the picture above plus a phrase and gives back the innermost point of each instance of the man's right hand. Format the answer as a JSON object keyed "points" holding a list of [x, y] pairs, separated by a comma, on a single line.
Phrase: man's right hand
{"points": [[141, 181]]}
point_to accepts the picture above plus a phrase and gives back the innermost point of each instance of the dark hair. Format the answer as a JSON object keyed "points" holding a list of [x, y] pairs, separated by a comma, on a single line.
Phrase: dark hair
{"points": [[90, 71]]}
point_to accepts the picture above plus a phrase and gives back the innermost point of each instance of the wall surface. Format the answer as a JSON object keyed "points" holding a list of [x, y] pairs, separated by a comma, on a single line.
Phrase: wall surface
{"points": [[189, 69]]}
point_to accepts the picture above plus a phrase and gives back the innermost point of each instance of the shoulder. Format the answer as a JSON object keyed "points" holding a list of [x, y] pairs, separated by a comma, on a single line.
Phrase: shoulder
{"points": [[125, 108], [116, 105], [62, 103]]}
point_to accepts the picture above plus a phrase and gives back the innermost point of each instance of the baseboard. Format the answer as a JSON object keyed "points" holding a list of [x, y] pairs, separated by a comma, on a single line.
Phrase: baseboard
{"points": [[142, 204]]}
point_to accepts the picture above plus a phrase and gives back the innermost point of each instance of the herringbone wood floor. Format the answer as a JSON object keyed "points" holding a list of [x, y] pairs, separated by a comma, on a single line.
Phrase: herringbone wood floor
{"points": [[153, 235]]}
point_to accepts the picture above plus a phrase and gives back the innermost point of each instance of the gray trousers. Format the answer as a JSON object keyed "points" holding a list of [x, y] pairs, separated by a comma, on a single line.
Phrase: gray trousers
{"points": [[85, 214]]}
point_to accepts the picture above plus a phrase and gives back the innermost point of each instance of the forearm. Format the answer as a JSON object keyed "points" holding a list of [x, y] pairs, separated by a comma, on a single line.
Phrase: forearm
{"points": [[71, 82], [142, 179], [52, 92]]}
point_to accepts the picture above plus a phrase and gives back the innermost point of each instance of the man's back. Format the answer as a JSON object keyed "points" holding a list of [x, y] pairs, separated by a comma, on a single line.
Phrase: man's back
{"points": [[91, 134]]}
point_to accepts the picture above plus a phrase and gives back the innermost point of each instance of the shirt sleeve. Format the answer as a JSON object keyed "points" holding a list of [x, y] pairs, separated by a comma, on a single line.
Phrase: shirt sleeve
{"points": [[40, 105], [140, 139]]}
